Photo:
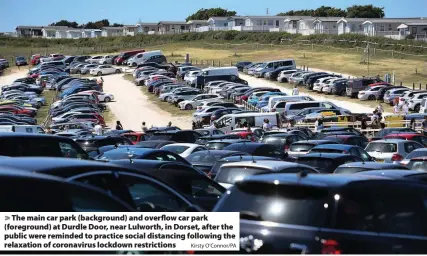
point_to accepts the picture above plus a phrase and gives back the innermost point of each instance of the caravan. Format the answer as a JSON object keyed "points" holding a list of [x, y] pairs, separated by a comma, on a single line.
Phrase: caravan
{"points": [[227, 123], [144, 57]]}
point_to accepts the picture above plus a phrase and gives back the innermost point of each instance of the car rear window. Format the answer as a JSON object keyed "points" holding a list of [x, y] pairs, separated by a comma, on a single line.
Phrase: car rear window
{"points": [[161, 137], [418, 165], [175, 149], [230, 175], [287, 204], [301, 147], [321, 164], [415, 153], [217, 145], [382, 147], [350, 169], [326, 150]]}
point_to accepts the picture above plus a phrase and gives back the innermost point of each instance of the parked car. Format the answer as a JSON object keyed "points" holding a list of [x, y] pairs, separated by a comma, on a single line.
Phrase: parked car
{"points": [[183, 149], [302, 147], [327, 162], [418, 137], [343, 149], [204, 160], [359, 167], [421, 152], [391, 150], [104, 70], [20, 61], [418, 164]]}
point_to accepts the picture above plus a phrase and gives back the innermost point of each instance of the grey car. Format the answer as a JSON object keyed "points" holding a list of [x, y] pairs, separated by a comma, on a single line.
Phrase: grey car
{"points": [[391, 150], [86, 69], [371, 93], [357, 167], [392, 94]]}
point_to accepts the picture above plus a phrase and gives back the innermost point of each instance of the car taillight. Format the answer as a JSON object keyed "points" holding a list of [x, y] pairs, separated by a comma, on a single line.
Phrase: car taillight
{"points": [[361, 93], [396, 157], [330, 247]]}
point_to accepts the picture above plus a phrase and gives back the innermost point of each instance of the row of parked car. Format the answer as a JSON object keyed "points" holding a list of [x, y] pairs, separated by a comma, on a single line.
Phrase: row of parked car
{"points": [[366, 88]]}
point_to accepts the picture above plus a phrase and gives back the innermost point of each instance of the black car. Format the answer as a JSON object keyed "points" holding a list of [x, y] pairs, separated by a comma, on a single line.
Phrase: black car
{"points": [[221, 144], [154, 143], [339, 87], [359, 167], [140, 153], [93, 142], [241, 64], [196, 187], [15, 144], [342, 129], [327, 162], [206, 159], [328, 214], [303, 146], [141, 191], [153, 130], [179, 136], [413, 175], [258, 149], [282, 141]]}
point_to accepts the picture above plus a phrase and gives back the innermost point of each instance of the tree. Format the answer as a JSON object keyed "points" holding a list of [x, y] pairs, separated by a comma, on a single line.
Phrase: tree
{"points": [[205, 14], [297, 13], [66, 23], [97, 24], [117, 25], [365, 11], [326, 11]]}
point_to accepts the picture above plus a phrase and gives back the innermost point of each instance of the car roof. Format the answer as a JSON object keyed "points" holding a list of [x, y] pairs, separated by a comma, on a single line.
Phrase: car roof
{"points": [[370, 165], [230, 141], [316, 180], [404, 134], [316, 142], [393, 173], [266, 164], [185, 144], [27, 135], [335, 146], [389, 141], [324, 155]]}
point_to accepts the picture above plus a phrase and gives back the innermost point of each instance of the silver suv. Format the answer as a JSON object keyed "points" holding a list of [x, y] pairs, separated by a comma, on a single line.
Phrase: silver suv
{"points": [[185, 95]]}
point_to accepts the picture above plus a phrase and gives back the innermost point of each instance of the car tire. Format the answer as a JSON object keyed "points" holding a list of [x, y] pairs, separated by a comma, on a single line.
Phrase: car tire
{"points": [[166, 98], [343, 93], [134, 64], [118, 71], [417, 108], [78, 72], [371, 97], [188, 107], [107, 99], [99, 73]]}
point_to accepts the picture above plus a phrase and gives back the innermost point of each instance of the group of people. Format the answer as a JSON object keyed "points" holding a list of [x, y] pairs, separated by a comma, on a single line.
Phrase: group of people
{"points": [[267, 126], [401, 107]]}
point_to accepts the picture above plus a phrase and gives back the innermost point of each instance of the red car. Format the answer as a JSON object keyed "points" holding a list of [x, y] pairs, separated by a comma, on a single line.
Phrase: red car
{"points": [[380, 83], [125, 56], [349, 140], [17, 110], [35, 59], [417, 137], [135, 137], [247, 136]]}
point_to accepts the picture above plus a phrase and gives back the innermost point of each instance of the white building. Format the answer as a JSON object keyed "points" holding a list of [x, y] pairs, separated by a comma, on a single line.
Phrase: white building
{"points": [[112, 31], [147, 27], [326, 25], [350, 25]]}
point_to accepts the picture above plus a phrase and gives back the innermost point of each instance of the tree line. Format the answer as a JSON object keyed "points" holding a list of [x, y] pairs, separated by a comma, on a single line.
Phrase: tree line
{"points": [[90, 25]]}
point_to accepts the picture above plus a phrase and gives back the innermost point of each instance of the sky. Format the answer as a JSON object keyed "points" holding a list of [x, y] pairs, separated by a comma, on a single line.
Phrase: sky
{"points": [[44, 12]]}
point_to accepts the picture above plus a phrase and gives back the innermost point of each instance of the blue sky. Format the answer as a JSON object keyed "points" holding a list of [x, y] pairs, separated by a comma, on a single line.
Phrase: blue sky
{"points": [[43, 12]]}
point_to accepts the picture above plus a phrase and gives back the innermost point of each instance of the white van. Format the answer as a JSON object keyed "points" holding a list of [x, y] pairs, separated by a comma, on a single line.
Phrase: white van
{"points": [[293, 108], [223, 71], [227, 123], [273, 100], [21, 128], [143, 57]]}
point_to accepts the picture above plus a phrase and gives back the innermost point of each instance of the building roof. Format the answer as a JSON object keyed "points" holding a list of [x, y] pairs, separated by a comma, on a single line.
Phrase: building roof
{"points": [[333, 19], [351, 19], [29, 27], [112, 28], [147, 24], [172, 22], [266, 17], [397, 20], [219, 18], [197, 21], [130, 26], [55, 28]]}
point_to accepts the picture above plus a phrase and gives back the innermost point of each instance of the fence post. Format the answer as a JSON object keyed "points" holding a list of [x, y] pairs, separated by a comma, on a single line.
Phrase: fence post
{"points": [[401, 83], [413, 86], [219, 63], [213, 63], [420, 86], [231, 63], [196, 62], [416, 71], [392, 53]]}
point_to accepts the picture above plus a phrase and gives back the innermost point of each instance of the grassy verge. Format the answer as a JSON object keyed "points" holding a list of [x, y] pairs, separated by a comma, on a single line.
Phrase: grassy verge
{"points": [[174, 111], [109, 116], [42, 113]]}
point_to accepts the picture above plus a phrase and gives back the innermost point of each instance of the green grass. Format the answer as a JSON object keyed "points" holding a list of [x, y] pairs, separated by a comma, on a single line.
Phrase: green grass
{"points": [[170, 108], [43, 112]]}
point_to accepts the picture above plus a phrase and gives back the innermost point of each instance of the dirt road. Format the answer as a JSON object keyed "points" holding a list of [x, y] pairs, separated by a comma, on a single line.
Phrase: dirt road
{"points": [[132, 107], [9, 78]]}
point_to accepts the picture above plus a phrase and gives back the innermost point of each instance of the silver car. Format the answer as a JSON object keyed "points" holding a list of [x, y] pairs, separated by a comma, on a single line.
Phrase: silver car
{"points": [[392, 94], [370, 93], [86, 69], [391, 150]]}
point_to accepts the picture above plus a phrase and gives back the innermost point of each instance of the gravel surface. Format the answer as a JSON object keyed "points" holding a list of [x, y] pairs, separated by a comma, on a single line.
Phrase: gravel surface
{"points": [[132, 107]]}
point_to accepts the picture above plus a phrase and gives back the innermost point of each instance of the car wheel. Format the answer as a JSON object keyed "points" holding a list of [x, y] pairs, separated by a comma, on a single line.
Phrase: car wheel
{"points": [[343, 93], [134, 64], [99, 73], [371, 97], [166, 98], [188, 107], [107, 99], [118, 71], [78, 72], [417, 108]]}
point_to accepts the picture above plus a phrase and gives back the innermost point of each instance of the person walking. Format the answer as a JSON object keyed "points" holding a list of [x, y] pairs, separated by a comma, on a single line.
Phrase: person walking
{"points": [[380, 110], [405, 108], [169, 124], [119, 126], [100, 82], [266, 126], [144, 128], [318, 125], [295, 91], [396, 109], [98, 129]]}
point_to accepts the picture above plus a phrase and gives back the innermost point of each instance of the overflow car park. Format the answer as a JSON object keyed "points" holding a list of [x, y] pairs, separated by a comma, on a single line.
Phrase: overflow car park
{"points": [[292, 160]]}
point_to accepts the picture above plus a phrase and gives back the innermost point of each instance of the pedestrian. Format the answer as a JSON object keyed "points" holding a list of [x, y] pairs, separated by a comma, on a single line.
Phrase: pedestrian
{"points": [[318, 125], [396, 109], [380, 110], [412, 124], [238, 124], [374, 116], [424, 125], [295, 91], [119, 126], [363, 123], [169, 124], [98, 129], [405, 108], [266, 126], [100, 82], [144, 128]]}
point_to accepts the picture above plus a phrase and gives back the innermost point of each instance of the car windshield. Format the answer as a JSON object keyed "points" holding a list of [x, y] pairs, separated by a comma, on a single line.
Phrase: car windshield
{"points": [[176, 149], [326, 150], [217, 145], [382, 147], [301, 147], [118, 155], [231, 175], [295, 205], [418, 165]]}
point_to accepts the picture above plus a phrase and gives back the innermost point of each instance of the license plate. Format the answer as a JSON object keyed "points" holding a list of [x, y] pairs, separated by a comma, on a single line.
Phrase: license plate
{"points": [[379, 160]]}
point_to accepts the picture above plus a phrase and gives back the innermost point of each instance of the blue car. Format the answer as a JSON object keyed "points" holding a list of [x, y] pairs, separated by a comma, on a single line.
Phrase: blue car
{"points": [[264, 99], [76, 89], [20, 61]]}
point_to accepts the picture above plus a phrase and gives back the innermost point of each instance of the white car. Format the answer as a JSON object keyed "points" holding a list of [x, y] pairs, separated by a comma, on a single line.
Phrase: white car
{"points": [[94, 59], [64, 116], [104, 70], [191, 77], [102, 96], [318, 85], [194, 102], [183, 149]]}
